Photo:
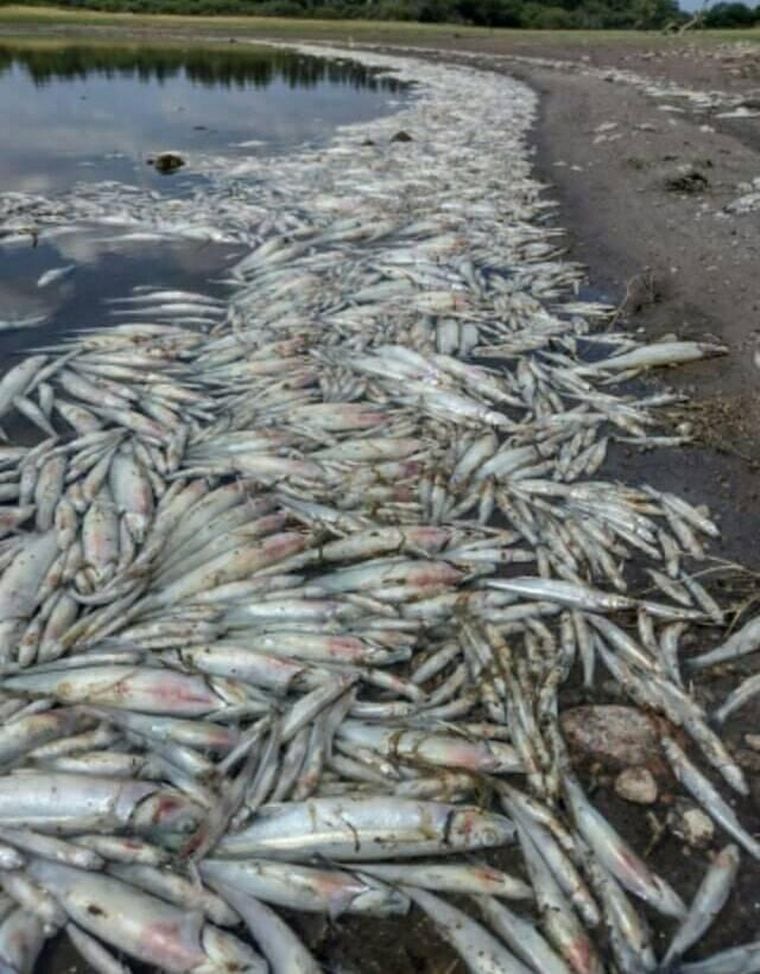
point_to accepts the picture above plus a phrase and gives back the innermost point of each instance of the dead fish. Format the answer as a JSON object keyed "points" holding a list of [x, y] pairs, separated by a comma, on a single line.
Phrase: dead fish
{"points": [[55, 274], [708, 901]]}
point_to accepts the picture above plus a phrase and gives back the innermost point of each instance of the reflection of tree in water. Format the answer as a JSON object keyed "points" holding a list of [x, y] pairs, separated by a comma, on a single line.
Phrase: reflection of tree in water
{"points": [[207, 66]]}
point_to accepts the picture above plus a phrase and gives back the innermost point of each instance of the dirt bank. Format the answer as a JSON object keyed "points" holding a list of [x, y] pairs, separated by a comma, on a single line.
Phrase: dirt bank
{"points": [[642, 184], [664, 248]]}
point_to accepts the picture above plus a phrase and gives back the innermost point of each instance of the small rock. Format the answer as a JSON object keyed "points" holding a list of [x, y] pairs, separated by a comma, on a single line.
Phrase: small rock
{"points": [[748, 759], [753, 741], [636, 785], [401, 136], [622, 736], [690, 824], [166, 162]]}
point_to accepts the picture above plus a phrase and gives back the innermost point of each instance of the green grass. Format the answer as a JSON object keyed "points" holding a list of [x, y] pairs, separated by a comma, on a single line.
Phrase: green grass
{"points": [[751, 34], [50, 16], [14, 19]]}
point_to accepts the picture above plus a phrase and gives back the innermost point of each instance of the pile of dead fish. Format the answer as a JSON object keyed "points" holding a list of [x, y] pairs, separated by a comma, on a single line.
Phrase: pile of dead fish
{"points": [[291, 586]]}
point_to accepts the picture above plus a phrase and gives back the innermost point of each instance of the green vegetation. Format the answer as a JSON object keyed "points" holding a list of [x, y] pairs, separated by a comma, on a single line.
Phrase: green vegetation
{"points": [[320, 22], [723, 15], [536, 14]]}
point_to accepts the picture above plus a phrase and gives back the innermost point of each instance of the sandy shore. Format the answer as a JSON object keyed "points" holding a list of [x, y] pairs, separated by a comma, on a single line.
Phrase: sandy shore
{"points": [[676, 262]]}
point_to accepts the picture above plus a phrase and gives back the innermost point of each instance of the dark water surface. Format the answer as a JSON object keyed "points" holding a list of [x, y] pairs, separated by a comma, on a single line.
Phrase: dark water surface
{"points": [[87, 113], [80, 113]]}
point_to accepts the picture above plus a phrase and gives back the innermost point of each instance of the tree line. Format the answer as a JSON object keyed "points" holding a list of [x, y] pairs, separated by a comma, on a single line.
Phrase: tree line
{"points": [[536, 14], [732, 15]]}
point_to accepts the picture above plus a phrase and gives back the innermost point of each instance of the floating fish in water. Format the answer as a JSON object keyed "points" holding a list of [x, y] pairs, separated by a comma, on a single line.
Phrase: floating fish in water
{"points": [[55, 274], [18, 324]]}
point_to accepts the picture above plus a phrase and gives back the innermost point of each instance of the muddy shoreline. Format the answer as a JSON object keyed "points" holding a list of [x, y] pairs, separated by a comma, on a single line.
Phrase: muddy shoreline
{"points": [[675, 262]]}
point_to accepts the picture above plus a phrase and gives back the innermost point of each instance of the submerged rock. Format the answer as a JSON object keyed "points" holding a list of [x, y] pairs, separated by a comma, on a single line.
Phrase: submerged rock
{"points": [[166, 162], [401, 136]]}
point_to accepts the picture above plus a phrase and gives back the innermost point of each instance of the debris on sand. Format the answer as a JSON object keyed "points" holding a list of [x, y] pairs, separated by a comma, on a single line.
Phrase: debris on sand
{"points": [[612, 734], [687, 180], [690, 824], [636, 785], [749, 201]]}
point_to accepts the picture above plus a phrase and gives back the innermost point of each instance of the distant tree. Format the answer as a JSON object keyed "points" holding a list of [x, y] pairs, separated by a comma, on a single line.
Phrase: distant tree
{"points": [[491, 13], [541, 14], [730, 15]]}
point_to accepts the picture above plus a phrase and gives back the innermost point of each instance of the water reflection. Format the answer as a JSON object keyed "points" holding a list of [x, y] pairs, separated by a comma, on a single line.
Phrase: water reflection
{"points": [[248, 67], [95, 113]]}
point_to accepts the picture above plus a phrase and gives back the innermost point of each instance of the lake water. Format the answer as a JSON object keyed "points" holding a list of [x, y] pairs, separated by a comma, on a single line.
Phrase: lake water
{"points": [[86, 114]]}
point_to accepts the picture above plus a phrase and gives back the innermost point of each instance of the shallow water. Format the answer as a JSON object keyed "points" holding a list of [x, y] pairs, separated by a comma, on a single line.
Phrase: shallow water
{"points": [[85, 114]]}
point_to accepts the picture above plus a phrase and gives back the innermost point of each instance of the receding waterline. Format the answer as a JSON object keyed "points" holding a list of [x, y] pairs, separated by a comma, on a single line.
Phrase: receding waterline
{"points": [[95, 115]]}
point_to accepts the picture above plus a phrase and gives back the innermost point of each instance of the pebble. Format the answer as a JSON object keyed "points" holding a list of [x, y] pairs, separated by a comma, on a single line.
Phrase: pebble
{"points": [[691, 824], [612, 734], [748, 759], [636, 785]]}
